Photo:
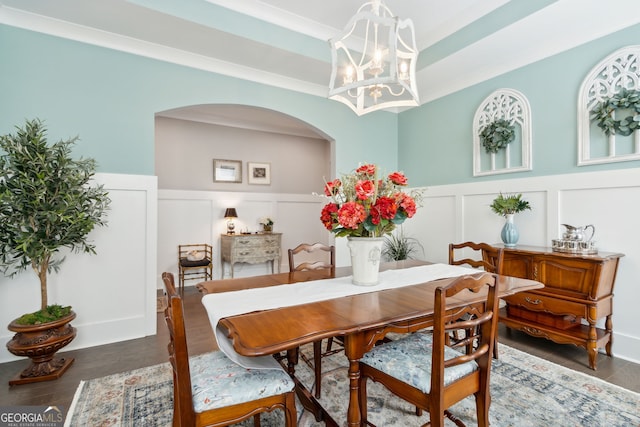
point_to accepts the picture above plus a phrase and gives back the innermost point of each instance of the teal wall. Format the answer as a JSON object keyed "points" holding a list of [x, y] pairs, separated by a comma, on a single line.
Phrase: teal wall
{"points": [[109, 98], [436, 141]]}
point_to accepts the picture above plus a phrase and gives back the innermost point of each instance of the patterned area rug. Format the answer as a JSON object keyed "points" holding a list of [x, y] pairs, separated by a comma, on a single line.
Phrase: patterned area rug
{"points": [[526, 392]]}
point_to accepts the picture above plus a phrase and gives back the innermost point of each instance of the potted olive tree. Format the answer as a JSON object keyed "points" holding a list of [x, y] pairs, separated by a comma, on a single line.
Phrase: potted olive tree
{"points": [[47, 203]]}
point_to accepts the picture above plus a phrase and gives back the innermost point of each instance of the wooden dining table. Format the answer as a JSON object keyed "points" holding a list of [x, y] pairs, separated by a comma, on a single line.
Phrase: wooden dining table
{"points": [[362, 320]]}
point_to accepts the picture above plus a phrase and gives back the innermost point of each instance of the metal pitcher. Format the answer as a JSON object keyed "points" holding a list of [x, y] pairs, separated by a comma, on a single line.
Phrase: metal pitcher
{"points": [[578, 233]]}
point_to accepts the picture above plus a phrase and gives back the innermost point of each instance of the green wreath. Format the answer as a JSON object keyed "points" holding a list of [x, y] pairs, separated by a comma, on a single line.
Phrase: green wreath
{"points": [[497, 135], [626, 99]]}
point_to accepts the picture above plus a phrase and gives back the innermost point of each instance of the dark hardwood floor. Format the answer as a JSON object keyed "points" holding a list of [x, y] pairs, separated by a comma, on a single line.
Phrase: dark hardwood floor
{"points": [[113, 358]]}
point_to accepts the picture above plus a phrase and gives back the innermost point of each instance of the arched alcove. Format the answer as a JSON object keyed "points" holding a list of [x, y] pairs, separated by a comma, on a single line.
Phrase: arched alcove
{"points": [[191, 204]]}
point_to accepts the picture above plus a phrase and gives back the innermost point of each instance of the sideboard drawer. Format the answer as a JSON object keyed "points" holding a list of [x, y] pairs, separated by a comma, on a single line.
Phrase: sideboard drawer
{"points": [[247, 252], [549, 304], [247, 242], [555, 320]]}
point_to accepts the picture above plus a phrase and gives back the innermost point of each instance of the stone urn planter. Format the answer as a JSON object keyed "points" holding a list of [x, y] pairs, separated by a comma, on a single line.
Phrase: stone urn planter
{"points": [[40, 343]]}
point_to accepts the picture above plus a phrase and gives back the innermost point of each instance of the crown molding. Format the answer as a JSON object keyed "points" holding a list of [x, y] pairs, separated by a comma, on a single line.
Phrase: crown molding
{"points": [[55, 27]]}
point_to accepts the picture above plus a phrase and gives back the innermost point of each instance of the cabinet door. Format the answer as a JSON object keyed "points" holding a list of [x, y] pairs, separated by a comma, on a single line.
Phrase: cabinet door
{"points": [[518, 266], [572, 277]]}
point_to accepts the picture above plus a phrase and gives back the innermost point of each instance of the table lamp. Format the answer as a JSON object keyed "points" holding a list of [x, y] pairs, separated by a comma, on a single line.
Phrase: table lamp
{"points": [[229, 214]]}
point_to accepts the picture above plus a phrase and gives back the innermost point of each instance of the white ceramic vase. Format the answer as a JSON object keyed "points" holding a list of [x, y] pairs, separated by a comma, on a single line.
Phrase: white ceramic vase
{"points": [[365, 259]]}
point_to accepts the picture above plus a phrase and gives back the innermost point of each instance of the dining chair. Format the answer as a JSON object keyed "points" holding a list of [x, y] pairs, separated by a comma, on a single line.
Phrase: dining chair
{"points": [[421, 369], [312, 257], [477, 255], [211, 389], [488, 257], [195, 261], [315, 256]]}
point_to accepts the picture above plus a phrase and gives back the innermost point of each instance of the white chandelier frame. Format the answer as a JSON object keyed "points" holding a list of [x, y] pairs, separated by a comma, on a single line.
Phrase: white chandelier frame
{"points": [[381, 74]]}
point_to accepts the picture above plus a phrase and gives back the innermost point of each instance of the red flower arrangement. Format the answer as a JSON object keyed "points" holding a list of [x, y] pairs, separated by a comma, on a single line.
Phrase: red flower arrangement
{"points": [[364, 206]]}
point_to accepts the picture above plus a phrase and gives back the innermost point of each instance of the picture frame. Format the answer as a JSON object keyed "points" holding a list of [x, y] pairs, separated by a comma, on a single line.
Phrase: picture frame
{"points": [[259, 173], [227, 170]]}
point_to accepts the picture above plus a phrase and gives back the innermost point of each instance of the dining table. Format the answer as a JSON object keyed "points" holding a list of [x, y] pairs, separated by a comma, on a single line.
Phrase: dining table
{"points": [[362, 319]]}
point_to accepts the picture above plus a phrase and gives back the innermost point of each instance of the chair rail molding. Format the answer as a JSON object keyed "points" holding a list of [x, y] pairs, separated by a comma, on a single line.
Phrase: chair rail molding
{"points": [[620, 70], [513, 106]]}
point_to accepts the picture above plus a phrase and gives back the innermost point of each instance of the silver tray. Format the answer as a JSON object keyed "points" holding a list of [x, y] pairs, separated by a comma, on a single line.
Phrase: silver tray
{"points": [[576, 251], [574, 246]]}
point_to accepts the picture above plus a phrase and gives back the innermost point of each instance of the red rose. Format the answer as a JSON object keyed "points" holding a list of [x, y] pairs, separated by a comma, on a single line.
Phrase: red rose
{"points": [[387, 207], [365, 190], [374, 214], [407, 203], [327, 215], [331, 188], [398, 178], [351, 215], [369, 170]]}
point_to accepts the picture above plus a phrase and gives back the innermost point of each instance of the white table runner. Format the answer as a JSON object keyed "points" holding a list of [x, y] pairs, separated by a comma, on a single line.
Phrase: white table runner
{"points": [[225, 304]]}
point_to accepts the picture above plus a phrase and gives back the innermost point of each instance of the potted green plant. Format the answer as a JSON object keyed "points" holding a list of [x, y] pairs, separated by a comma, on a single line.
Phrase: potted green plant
{"points": [[47, 203], [507, 206], [267, 224], [398, 247]]}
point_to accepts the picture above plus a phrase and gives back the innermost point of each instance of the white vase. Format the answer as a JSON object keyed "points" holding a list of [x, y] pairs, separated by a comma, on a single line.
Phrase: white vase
{"points": [[365, 259]]}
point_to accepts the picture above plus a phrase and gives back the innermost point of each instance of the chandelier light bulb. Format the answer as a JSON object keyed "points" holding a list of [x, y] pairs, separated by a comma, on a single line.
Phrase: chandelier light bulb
{"points": [[348, 74], [404, 70], [376, 64], [375, 91]]}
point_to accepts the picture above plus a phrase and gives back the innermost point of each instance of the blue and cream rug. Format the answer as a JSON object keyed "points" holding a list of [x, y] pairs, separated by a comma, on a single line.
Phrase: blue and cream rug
{"points": [[526, 391]]}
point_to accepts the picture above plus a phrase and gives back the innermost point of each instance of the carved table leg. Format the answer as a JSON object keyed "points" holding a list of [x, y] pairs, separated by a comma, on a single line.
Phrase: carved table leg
{"points": [[592, 349], [354, 349], [609, 328], [292, 360]]}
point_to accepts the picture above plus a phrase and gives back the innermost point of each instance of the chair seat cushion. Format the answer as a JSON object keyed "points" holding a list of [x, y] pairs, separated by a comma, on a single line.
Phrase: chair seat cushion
{"points": [[216, 382], [408, 359], [199, 263]]}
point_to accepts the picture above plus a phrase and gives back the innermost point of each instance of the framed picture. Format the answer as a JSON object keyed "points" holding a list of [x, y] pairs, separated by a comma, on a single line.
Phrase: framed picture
{"points": [[259, 173], [227, 170]]}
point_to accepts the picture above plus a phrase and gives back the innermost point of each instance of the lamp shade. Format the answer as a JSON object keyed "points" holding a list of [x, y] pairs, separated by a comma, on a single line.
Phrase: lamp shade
{"points": [[231, 213]]}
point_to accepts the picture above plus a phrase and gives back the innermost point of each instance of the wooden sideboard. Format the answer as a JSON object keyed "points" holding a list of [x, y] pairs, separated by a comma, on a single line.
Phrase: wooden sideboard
{"points": [[578, 293], [250, 248]]}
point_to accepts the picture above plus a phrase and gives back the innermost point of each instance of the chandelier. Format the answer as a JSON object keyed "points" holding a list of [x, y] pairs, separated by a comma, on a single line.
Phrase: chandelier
{"points": [[373, 61]]}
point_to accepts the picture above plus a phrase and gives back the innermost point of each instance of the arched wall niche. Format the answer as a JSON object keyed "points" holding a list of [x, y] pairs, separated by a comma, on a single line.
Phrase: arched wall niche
{"points": [[189, 138]]}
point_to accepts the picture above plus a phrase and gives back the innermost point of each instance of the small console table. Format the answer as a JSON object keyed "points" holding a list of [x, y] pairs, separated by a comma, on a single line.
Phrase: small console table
{"points": [[250, 248], [577, 287]]}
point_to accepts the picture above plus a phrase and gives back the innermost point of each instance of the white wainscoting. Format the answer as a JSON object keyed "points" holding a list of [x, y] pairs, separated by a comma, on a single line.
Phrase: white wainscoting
{"points": [[198, 217], [113, 292], [609, 200]]}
